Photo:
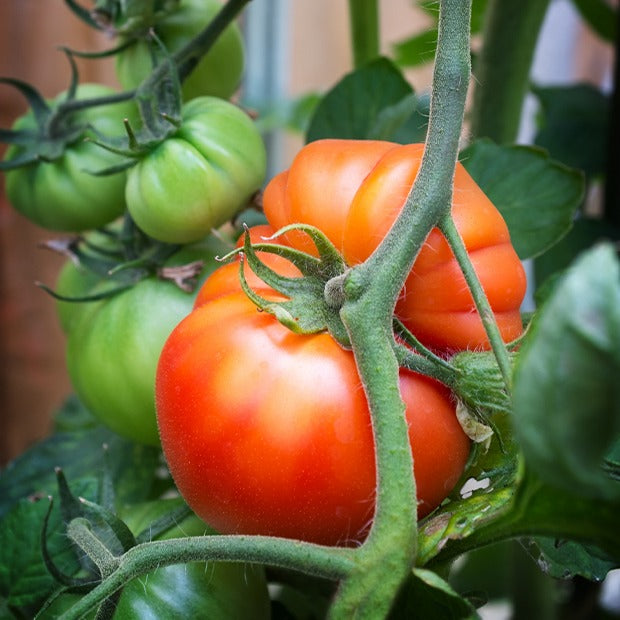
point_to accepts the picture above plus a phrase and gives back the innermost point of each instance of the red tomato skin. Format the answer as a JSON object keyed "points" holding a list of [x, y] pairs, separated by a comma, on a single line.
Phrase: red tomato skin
{"points": [[255, 448], [360, 187]]}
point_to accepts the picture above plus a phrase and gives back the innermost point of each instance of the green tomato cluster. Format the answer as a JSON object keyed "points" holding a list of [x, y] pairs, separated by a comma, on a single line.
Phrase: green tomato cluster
{"points": [[182, 187], [218, 72]]}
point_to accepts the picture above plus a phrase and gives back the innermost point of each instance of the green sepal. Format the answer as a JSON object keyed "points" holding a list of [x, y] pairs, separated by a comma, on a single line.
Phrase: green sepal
{"points": [[68, 581], [130, 257], [84, 14], [113, 51], [56, 127], [37, 103], [306, 311]]}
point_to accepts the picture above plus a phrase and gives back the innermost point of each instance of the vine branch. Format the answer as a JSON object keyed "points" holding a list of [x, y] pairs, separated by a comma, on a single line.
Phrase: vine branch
{"points": [[321, 561]]}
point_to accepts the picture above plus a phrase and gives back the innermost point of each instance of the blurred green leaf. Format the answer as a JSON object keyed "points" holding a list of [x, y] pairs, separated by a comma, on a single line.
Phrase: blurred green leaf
{"points": [[24, 579], [427, 595], [566, 388], [293, 115], [583, 235], [600, 16], [419, 48], [79, 453], [373, 102], [537, 196], [563, 559], [574, 126], [478, 12], [416, 50], [486, 571]]}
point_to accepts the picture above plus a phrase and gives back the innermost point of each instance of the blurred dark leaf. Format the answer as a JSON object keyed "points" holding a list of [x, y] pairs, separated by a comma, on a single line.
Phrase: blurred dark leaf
{"points": [[537, 196], [600, 16], [574, 126], [79, 453], [373, 102]]}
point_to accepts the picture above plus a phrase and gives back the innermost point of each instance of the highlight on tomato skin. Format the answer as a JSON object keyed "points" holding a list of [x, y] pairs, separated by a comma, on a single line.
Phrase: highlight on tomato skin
{"points": [[268, 432], [359, 189]]}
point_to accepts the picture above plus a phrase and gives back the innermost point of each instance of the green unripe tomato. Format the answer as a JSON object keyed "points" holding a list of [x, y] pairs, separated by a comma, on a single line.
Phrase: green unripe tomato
{"points": [[218, 73], [61, 195], [114, 344], [197, 179]]}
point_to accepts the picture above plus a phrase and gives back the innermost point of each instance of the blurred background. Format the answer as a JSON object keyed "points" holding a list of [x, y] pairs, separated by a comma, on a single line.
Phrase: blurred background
{"points": [[293, 48]]}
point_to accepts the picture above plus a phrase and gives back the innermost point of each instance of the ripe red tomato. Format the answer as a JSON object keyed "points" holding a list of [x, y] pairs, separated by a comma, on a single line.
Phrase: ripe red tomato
{"points": [[268, 432], [353, 191]]}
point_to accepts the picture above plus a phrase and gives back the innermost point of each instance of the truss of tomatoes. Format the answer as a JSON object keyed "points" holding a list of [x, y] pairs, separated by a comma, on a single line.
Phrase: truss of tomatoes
{"points": [[268, 432]]}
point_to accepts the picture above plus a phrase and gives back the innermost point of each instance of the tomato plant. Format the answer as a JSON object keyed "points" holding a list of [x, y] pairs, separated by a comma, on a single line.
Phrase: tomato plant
{"points": [[63, 194], [218, 73], [255, 448], [353, 191], [201, 176], [356, 402]]}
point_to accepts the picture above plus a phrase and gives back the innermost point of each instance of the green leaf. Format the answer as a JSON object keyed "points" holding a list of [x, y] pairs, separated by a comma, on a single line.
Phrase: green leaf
{"points": [[600, 16], [372, 102], [427, 595], [478, 13], [416, 50], [583, 235], [575, 126], [80, 454], [566, 388], [24, 579], [486, 571], [537, 196], [563, 559], [415, 127], [420, 48]]}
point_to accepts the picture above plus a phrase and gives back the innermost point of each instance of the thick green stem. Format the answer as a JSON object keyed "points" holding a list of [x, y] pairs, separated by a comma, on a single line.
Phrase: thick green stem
{"points": [[386, 557], [455, 241], [328, 562], [364, 21], [436, 368], [502, 68], [371, 290], [190, 55]]}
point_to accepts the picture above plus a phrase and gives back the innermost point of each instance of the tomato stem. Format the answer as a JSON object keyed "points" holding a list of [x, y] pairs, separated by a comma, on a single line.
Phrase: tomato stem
{"points": [[448, 228], [321, 561], [364, 22], [371, 290]]}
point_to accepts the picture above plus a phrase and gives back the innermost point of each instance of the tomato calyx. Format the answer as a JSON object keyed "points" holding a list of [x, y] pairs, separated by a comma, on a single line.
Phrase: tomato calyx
{"points": [[481, 391], [56, 126], [99, 536], [310, 307], [124, 258], [128, 17]]}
